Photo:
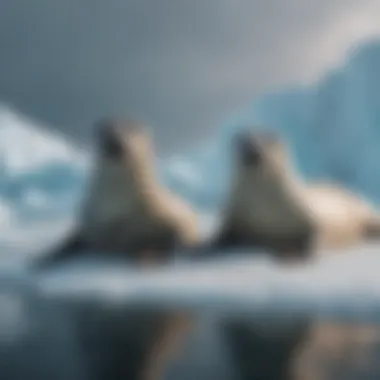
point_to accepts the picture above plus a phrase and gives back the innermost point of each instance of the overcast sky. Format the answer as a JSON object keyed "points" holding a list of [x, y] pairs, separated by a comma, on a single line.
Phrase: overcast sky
{"points": [[183, 65]]}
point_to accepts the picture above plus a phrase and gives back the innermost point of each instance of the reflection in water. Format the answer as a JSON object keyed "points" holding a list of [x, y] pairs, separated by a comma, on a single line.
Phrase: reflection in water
{"points": [[72, 324]]}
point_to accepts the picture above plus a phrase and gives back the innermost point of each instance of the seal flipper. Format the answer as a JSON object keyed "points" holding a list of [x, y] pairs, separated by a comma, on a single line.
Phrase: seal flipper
{"points": [[68, 249], [227, 239], [231, 239]]}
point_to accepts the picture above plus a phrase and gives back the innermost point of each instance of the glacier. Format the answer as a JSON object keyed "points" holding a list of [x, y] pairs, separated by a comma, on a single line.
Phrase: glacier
{"points": [[332, 126]]}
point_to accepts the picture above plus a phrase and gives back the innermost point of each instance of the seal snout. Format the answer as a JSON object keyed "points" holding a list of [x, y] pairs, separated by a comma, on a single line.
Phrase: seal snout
{"points": [[109, 139], [249, 148]]}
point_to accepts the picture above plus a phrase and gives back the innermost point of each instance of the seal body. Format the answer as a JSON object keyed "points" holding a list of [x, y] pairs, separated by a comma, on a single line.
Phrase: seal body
{"points": [[262, 209], [133, 217]]}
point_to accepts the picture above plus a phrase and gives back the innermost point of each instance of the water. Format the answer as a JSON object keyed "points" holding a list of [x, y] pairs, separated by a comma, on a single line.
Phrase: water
{"points": [[42, 317]]}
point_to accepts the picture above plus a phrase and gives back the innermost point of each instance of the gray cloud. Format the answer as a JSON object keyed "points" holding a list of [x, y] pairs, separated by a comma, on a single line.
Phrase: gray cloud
{"points": [[183, 65]]}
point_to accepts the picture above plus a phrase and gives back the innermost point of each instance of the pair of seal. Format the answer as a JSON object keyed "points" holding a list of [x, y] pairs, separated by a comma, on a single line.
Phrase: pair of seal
{"points": [[271, 206], [126, 211]]}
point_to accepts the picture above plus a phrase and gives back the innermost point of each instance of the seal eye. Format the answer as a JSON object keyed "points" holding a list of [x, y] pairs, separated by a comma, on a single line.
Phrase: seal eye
{"points": [[249, 149]]}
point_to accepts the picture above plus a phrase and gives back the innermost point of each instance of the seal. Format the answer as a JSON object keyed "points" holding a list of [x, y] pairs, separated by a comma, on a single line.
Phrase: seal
{"points": [[125, 209], [271, 206], [127, 212]]}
